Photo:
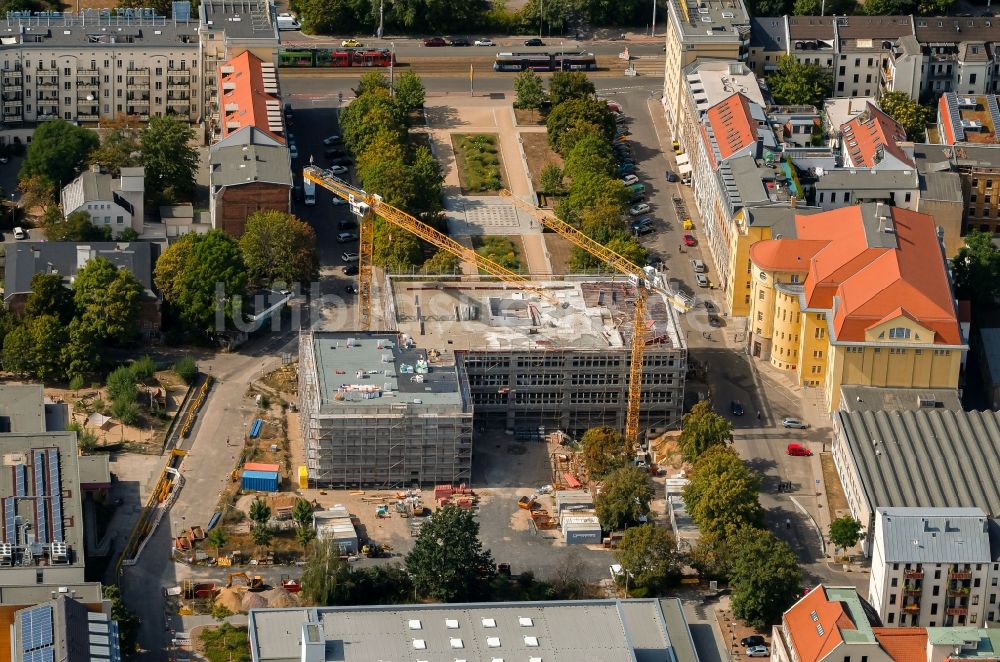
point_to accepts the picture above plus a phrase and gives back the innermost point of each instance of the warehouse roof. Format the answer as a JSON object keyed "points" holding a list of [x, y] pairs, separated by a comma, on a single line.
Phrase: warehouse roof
{"points": [[875, 398], [935, 458], [595, 630], [934, 535]]}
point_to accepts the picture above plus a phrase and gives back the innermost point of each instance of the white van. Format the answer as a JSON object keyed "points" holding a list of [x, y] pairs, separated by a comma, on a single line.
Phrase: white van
{"points": [[309, 192], [287, 21]]}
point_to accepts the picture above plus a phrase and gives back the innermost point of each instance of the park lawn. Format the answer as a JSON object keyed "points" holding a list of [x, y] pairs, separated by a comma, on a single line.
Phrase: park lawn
{"points": [[505, 251], [480, 168], [538, 155]]}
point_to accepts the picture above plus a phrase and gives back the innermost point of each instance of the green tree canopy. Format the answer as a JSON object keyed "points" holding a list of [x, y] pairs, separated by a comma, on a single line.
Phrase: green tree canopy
{"points": [[713, 554], [590, 190], [846, 532], [367, 116], [765, 579], [278, 247], [58, 151], [427, 180], [604, 451], [302, 513], [410, 93], [568, 114], [529, 90], [47, 338], [650, 554], [590, 154], [260, 512], [75, 227], [107, 299], [976, 270], [799, 84], [119, 146], [701, 429], [170, 160], [49, 296], [722, 493], [909, 113], [189, 270], [371, 81], [333, 16], [624, 499], [18, 351], [442, 262], [448, 562], [79, 355], [551, 180], [325, 576], [567, 85]]}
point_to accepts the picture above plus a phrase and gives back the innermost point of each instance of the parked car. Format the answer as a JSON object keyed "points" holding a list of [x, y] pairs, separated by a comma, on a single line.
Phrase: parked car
{"points": [[351, 289], [640, 209], [331, 140], [293, 150], [484, 41], [757, 651], [535, 41], [349, 257], [341, 160], [671, 177], [350, 270], [628, 180], [642, 230], [460, 41], [626, 168], [435, 41], [752, 640], [347, 224], [338, 169], [643, 220], [288, 110], [798, 450], [736, 408], [336, 201], [689, 239], [701, 279], [351, 43], [20, 233], [698, 266], [345, 237], [793, 423]]}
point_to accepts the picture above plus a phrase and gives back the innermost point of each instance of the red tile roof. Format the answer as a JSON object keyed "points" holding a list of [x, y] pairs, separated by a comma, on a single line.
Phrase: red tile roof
{"points": [[944, 112], [814, 625], [244, 97], [870, 130], [903, 644], [732, 124], [873, 283]]}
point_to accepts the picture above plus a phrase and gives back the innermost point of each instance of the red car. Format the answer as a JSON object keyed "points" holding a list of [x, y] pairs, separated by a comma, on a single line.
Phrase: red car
{"points": [[435, 41], [689, 239], [798, 450]]}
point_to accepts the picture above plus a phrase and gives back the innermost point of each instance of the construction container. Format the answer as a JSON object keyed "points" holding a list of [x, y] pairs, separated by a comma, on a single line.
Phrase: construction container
{"points": [[341, 533], [574, 500], [261, 481], [575, 515], [261, 466], [303, 477], [585, 530]]}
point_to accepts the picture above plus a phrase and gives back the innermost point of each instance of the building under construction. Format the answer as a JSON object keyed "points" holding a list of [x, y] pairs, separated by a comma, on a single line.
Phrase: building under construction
{"points": [[532, 366], [378, 411]]}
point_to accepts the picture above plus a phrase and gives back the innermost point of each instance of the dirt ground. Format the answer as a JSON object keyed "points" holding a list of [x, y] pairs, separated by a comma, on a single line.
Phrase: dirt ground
{"points": [[284, 379], [836, 501], [559, 252], [529, 117], [539, 154]]}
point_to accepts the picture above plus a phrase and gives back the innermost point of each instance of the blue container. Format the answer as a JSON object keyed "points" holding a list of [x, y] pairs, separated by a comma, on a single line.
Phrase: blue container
{"points": [[261, 481]]}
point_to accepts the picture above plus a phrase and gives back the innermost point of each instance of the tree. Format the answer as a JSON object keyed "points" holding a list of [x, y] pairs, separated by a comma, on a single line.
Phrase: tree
{"points": [[625, 498], [305, 535], [369, 115], [217, 538], [845, 532], [604, 451], [331, 16], [568, 114], [649, 553], [261, 535], [888, 7], [58, 152], [976, 270], [119, 146], [324, 575], [107, 299], [79, 355], [799, 84], [713, 554], [448, 562], [702, 428], [722, 493], [128, 622], [591, 154], [302, 514], [909, 113], [833, 7], [566, 85], [768, 7], [188, 273], [590, 190], [441, 263], [278, 247], [170, 160], [371, 81], [18, 351], [186, 368], [551, 180], [622, 243], [766, 579], [75, 227], [260, 512], [529, 90], [427, 179], [48, 337], [37, 191], [50, 297], [409, 91]]}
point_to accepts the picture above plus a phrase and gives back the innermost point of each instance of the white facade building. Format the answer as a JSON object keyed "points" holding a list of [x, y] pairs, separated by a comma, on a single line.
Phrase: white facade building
{"points": [[116, 202]]}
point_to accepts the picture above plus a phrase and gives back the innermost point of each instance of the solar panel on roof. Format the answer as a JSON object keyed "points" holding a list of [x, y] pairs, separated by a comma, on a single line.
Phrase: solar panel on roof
{"points": [[9, 520], [36, 628], [39, 468], [41, 521], [55, 486]]}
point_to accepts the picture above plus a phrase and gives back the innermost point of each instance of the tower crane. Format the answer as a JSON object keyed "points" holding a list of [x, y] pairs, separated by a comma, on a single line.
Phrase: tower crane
{"points": [[644, 279]]}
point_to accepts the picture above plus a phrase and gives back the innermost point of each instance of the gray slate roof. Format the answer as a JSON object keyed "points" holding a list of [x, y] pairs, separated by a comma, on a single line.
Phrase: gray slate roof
{"points": [[931, 459], [858, 179], [944, 186], [90, 30], [768, 32], [935, 535], [246, 164], [25, 259]]}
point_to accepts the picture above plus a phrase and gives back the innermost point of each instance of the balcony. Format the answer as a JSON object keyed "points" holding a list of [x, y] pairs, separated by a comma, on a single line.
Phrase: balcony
{"points": [[136, 84], [913, 574], [88, 72], [12, 115], [186, 73], [958, 592], [88, 117], [138, 101], [912, 608], [139, 72], [88, 82], [912, 590], [956, 611], [959, 575], [48, 86], [47, 102]]}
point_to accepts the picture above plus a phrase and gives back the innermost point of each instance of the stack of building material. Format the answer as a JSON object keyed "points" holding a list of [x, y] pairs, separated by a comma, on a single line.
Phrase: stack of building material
{"points": [[581, 529], [336, 526], [574, 500], [261, 477]]}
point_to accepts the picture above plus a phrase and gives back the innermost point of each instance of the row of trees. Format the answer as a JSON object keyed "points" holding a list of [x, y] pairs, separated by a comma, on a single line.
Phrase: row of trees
{"points": [[403, 171], [61, 332], [849, 7], [444, 16], [59, 151]]}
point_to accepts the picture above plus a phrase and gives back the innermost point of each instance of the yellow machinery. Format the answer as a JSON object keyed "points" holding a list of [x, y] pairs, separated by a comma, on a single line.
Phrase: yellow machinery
{"points": [[253, 583]]}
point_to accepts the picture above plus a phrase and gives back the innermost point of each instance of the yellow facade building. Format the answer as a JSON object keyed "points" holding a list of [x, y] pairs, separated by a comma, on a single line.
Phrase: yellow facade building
{"points": [[853, 296]]}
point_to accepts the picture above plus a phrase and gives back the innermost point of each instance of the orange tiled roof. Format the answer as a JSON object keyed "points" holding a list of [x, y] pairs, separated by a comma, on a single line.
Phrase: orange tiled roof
{"points": [[733, 125], [870, 130], [944, 112], [903, 644], [244, 99], [814, 624], [786, 254]]}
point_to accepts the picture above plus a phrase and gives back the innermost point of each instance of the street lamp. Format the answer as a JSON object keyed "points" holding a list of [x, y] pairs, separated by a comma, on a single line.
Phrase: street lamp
{"points": [[12, 209], [392, 62], [541, 13]]}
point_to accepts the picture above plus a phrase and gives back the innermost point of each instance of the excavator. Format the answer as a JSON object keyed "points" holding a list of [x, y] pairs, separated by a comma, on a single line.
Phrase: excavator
{"points": [[254, 583], [365, 205]]}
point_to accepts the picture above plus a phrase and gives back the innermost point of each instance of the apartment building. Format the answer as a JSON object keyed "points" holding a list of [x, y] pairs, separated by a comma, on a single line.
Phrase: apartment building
{"points": [[95, 65], [857, 295], [872, 139], [908, 458], [834, 624], [115, 202], [532, 366], [935, 566], [705, 29]]}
